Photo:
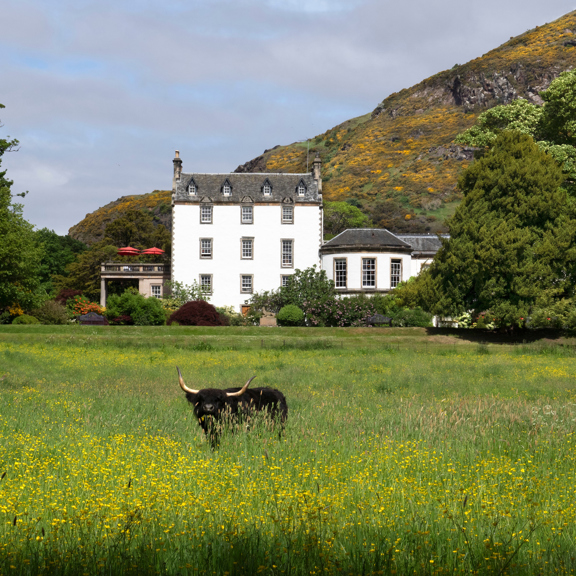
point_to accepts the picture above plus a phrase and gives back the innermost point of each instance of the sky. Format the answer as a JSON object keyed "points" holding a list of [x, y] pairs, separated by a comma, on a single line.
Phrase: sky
{"points": [[100, 93]]}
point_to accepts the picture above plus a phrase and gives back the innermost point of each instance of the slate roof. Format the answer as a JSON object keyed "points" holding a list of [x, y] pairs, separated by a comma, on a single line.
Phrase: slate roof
{"points": [[247, 184], [426, 243], [377, 238]]}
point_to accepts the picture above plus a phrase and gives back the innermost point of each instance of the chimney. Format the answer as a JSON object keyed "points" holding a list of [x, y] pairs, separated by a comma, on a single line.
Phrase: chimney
{"points": [[177, 169], [317, 171]]}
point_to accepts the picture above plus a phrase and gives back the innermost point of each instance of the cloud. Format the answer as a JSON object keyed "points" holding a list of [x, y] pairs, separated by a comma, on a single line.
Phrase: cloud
{"points": [[101, 92]]}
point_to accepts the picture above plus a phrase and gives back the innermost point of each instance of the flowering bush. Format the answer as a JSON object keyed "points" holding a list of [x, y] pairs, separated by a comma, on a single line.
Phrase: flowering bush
{"points": [[337, 312], [80, 305]]}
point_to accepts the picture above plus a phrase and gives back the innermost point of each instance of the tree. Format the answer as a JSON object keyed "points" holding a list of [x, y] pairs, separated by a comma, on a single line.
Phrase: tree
{"points": [[338, 216], [552, 125], [20, 254], [84, 273], [136, 228], [512, 239], [59, 251]]}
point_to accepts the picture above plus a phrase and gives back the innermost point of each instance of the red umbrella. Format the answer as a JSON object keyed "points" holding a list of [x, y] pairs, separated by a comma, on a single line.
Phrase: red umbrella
{"points": [[128, 251], [155, 251]]}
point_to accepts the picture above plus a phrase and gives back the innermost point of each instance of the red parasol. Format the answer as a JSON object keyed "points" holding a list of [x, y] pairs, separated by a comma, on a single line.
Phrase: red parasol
{"points": [[128, 251], [155, 251]]}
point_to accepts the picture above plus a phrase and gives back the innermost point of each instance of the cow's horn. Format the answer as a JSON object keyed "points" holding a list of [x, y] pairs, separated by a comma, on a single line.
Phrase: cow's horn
{"points": [[244, 388], [183, 386]]}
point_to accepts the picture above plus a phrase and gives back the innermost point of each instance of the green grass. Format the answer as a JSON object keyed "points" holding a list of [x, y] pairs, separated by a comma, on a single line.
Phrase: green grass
{"points": [[406, 451]]}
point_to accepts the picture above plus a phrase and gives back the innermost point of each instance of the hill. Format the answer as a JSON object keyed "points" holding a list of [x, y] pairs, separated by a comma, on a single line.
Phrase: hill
{"points": [[399, 163], [91, 228]]}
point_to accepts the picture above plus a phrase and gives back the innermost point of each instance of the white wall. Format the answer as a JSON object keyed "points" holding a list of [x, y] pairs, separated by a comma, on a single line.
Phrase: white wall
{"points": [[226, 230], [354, 268]]}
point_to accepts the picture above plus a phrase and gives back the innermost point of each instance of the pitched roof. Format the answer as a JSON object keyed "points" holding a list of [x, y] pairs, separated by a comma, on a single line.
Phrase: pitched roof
{"points": [[423, 242], [369, 237], [247, 184]]}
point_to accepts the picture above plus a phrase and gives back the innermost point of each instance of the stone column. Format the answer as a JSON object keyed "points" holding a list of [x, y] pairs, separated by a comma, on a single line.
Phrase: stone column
{"points": [[102, 292]]}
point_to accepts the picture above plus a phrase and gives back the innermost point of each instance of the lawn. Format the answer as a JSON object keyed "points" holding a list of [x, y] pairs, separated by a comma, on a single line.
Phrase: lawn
{"points": [[407, 451]]}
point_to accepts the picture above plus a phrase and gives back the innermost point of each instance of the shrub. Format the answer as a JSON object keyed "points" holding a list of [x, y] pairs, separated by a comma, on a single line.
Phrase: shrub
{"points": [[196, 313], [25, 319], [65, 295], [231, 317], [79, 305], [142, 311], [415, 317], [290, 315], [51, 312]]}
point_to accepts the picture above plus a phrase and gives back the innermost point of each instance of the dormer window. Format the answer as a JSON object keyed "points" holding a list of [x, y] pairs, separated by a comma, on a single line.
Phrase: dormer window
{"points": [[301, 188], [226, 188], [192, 189], [267, 188]]}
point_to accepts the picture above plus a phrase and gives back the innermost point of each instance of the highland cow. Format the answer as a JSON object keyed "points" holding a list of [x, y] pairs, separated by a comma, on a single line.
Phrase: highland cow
{"points": [[212, 405]]}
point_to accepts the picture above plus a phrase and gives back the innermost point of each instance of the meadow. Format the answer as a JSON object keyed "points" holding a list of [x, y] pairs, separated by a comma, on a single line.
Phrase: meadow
{"points": [[407, 451]]}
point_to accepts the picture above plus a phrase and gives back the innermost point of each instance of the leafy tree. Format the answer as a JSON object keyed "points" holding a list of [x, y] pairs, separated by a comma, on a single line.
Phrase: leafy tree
{"points": [[20, 253], [513, 238], [338, 216], [552, 125], [59, 251], [84, 273], [136, 228], [181, 293]]}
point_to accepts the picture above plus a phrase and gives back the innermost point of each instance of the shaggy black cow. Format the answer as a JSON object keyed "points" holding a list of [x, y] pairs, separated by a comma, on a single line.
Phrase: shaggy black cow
{"points": [[212, 404]]}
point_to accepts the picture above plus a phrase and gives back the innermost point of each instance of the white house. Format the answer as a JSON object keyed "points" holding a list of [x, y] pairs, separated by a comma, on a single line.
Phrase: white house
{"points": [[368, 260], [240, 233]]}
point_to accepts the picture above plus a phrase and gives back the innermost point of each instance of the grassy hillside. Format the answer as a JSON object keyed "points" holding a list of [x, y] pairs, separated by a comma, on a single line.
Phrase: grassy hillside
{"points": [[399, 162], [91, 228]]}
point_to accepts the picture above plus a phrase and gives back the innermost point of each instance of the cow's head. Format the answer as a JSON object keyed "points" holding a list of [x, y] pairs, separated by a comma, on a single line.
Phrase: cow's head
{"points": [[212, 401]]}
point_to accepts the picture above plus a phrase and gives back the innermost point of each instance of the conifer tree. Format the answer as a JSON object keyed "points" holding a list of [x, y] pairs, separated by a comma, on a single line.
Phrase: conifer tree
{"points": [[512, 241]]}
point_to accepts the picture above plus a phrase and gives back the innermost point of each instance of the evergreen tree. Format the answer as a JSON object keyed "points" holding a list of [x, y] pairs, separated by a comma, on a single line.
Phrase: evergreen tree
{"points": [[512, 243], [20, 254]]}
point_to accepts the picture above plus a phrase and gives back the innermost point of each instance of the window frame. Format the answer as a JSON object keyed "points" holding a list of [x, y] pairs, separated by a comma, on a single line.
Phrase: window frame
{"points": [[374, 272], [226, 188], [286, 207], [394, 261], [242, 215], [245, 239], [267, 184], [335, 273], [159, 286], [200, 276], [282, 264], [211, 221], [301, 185], [242, 276], [202, 256], [284, 277]]}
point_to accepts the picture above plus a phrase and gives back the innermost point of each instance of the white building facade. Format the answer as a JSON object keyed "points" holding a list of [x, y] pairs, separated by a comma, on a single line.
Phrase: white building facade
{"points": [[239, 233], [369, 260]]}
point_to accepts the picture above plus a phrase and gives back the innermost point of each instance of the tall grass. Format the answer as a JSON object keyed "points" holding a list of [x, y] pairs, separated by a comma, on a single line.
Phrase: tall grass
{"points": [[394, 461]]}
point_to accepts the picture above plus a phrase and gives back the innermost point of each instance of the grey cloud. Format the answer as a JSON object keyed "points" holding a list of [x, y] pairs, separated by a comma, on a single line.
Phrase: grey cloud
{"points": [[125, 82]]}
